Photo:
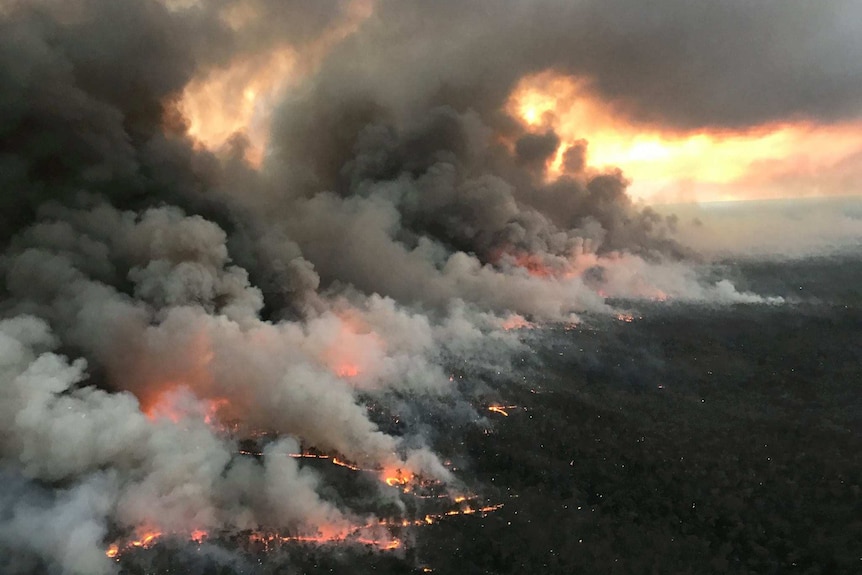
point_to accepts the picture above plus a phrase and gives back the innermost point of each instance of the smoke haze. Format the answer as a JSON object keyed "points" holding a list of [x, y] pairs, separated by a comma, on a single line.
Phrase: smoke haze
{"points": [[165, 299]]}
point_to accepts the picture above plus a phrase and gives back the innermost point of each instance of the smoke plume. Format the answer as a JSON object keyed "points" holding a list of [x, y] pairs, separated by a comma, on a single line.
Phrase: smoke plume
{"points": [[164, 300]]}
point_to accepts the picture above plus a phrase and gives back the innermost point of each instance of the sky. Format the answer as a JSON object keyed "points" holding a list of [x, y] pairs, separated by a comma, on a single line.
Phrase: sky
{"points": [[692, 101]]}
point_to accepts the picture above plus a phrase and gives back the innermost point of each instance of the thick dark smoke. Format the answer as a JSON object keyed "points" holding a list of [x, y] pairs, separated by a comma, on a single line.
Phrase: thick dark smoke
{"points": [[400, 216], [674, 62]]}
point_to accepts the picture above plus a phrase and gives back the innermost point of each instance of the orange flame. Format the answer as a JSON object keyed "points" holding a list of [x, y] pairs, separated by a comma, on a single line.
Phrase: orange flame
{"points": [[356, 535], [502, 409], [167, 403], [498, 409], [353, 347], [146, 540], [341, 463], [369, 534], [516, 321], [396, 477], [378, 533], [347, 370], [536, 265]]}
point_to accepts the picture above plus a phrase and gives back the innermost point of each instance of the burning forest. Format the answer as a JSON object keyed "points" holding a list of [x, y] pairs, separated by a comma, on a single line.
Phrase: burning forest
{"points": [[274, 272]]}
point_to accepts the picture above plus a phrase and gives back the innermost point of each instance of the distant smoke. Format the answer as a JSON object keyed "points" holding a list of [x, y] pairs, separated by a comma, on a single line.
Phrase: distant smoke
{"points": [[156, 293]]}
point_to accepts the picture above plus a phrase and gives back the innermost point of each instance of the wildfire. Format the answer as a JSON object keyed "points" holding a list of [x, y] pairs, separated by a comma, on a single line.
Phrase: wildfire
{"points": [[393, 477], [352, 348], [397, 477], [383, 543], [380, 534], [467, 510], [659, 295], [347, 370], [516, 321], [502, 409], [363, 535], [331, 458], [383, 534], [536, 265], [340, 463], [145, 539], [175, 402]]}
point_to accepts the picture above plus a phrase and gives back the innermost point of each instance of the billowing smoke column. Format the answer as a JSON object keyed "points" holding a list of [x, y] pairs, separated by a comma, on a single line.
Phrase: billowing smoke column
{"points": [[162, 300]]}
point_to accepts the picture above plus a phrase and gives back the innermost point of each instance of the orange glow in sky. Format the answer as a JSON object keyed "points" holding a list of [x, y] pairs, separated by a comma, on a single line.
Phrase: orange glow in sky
{"points": [[666, 165], [240, 97]]}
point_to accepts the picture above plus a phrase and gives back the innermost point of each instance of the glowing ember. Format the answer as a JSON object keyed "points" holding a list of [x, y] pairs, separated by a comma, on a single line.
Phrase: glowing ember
{"points": [[397, 477], [146, 540], [340, 463], [347, 370], [382, 534], [502, 409], [331, 458], [308, 456], [374, 534], [176, 402], [358, 535]]}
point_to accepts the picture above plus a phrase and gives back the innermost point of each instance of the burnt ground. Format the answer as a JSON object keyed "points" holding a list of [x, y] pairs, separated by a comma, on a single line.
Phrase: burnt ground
{"points": [[691, 440]]}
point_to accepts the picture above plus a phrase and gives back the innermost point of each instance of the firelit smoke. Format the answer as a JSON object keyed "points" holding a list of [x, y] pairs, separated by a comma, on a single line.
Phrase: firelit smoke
{"points": [[162, 300]]}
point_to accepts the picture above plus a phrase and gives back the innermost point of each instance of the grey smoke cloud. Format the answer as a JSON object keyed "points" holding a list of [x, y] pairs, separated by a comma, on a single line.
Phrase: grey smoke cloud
{"points": [[681, 64], [400, 217]]}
